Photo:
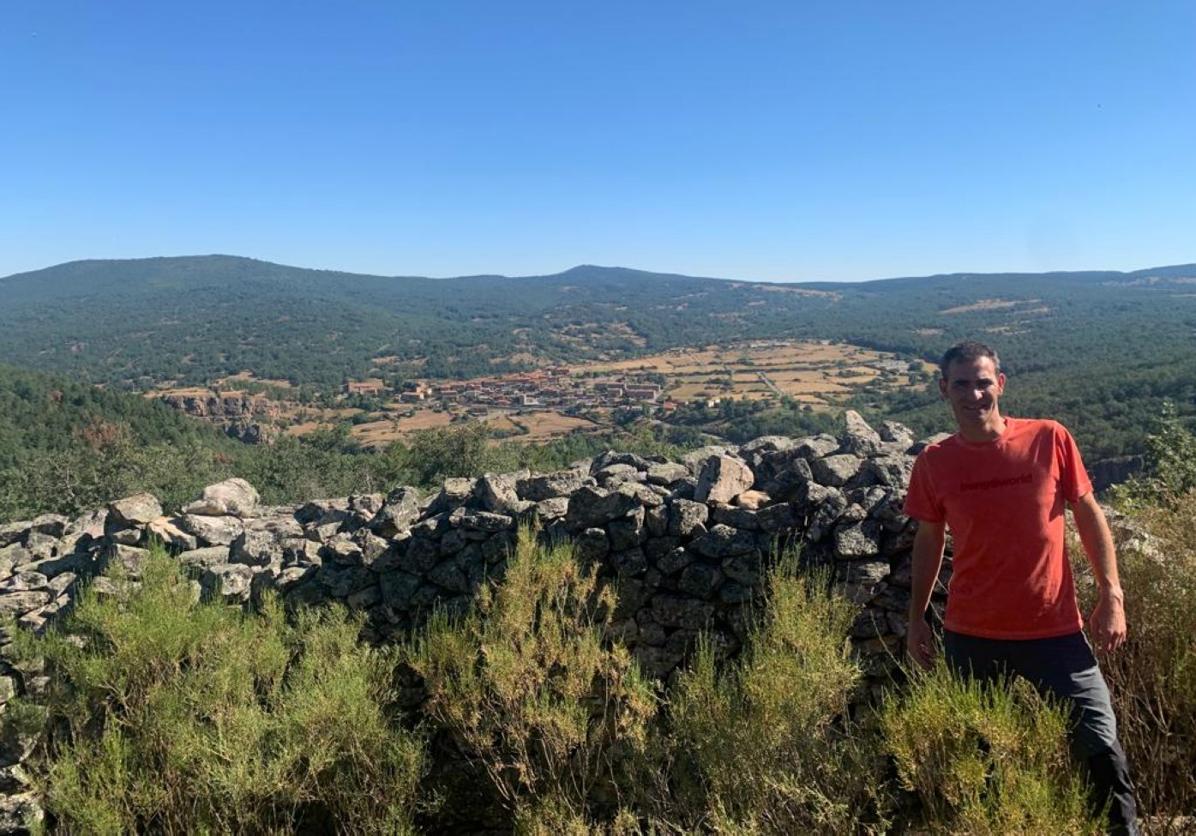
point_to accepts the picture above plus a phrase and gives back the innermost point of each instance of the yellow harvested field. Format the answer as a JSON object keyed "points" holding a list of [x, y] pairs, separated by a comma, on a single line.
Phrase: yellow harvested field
{"points": [[816, 369], [382, 432], [549, 424], [423, 419]]}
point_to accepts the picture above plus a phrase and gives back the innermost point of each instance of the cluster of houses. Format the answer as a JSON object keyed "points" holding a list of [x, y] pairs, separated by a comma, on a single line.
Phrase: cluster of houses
{"points": [[549, 388]]}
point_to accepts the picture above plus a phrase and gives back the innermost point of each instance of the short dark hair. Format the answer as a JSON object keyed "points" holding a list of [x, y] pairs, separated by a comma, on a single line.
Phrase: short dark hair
{"points": [[969, 350]]}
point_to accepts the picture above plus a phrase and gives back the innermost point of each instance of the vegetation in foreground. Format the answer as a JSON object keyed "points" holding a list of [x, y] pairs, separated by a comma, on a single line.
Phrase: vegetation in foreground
{"points": [[163, 712], [168, 713]]}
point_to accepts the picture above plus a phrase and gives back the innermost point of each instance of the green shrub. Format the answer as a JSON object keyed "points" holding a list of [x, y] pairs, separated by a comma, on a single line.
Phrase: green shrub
{"points": [[1153, 677], [532, 694], [985, 759], [169, 714], [765, 739]]}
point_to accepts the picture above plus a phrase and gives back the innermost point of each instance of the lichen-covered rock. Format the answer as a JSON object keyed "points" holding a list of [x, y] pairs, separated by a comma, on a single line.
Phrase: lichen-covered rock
{"points": [[497, 492], [687, 518], [589, 506], [592, 544], [627, 531], [397, 513], [723, 541], [555, 485], [203, 558], [667, 473], [229, 582], [699, 580], [857, 539], [858, 437], [695, 459], [676, 611], [17, 603], [835, 471]]}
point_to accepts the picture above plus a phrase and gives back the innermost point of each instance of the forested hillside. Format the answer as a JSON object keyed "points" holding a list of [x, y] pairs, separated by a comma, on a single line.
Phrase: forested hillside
{"points": [[67, 447], [1100, 350]]}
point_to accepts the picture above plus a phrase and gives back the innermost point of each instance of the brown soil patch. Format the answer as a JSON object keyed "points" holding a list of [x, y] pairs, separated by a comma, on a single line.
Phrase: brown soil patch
{"points": [[549, 424], [422, 419]]}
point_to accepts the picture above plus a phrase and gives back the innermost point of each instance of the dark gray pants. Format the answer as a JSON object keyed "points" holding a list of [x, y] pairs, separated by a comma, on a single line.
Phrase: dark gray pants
{"points": [[1065, 668]]}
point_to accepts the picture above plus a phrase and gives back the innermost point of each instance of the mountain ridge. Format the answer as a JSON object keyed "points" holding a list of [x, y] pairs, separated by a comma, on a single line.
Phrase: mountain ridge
{"points": [[582, 270]]}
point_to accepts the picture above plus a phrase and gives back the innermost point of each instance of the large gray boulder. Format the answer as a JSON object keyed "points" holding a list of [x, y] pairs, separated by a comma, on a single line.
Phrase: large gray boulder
{"points": [[397, 514], [859, 437], [687, 518], [497, 493], [233, 496], [561, 483], [589, 507], [139, 509], [212, 531], [723, 478], [835, 471]]}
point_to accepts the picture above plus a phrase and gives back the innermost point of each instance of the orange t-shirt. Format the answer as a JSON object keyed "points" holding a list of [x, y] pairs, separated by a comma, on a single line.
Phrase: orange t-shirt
{"points": [[1003, 501]]}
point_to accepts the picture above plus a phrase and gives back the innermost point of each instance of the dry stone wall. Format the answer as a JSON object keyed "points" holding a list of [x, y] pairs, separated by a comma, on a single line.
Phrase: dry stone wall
{"points": [[686, 542]]}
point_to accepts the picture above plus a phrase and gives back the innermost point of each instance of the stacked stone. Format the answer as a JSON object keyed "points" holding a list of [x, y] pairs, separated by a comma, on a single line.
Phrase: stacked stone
{"points": [[687, 543]]}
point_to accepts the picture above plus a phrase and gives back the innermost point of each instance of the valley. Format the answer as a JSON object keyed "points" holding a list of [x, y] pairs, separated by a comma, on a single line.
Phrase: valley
{"points": [[554, 400]]}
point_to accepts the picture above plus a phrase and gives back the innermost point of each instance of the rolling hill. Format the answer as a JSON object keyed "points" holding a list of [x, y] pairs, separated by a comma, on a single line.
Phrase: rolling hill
{"points": [[1100, 348]]}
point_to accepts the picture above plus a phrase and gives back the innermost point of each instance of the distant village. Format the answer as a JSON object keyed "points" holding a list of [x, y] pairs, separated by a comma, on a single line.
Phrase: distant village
{"points": [[554, 388]]}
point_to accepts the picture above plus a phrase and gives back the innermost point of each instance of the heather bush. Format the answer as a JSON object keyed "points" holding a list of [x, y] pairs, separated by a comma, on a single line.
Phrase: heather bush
{"points": [[764, 743], [1153, 677], [985, 758], [169, 714], [531, 692]]}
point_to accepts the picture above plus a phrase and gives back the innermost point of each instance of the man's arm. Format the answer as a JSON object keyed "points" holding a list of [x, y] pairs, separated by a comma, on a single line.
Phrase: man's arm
{"points": [[1107, 621], [927, 559]]}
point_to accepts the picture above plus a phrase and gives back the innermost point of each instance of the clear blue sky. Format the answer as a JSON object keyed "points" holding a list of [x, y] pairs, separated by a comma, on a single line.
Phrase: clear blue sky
{"points": [[788, 140]]}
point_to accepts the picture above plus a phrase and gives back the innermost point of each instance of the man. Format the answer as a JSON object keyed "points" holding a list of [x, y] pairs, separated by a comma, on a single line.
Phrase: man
{"points": [[1000, 484]]}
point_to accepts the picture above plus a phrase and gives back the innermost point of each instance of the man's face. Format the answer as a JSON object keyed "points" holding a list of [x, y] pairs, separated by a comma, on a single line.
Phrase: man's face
{"points": [[972, 387]]}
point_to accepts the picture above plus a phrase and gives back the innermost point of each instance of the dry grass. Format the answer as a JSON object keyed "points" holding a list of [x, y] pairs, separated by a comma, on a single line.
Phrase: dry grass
{"points": [[987, 305], [247, 376], [550, 424]]}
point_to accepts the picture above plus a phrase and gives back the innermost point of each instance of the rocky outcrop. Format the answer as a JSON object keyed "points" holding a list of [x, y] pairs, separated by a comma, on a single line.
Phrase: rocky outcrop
{"points": [[226, 406], [247, 418], [687, 544]]}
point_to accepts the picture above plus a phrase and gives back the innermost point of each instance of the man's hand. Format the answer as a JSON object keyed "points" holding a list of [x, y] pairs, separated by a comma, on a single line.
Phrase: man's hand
{"points": [[1107, 622], [920, 644]]}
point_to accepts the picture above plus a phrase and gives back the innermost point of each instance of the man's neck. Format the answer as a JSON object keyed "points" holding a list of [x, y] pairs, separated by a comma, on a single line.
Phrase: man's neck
{"points": [[988, 431]]}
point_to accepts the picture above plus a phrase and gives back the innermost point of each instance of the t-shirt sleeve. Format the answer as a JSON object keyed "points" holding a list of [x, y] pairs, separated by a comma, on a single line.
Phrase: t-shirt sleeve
{"points": [[1073, 478], [921, 503]]}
